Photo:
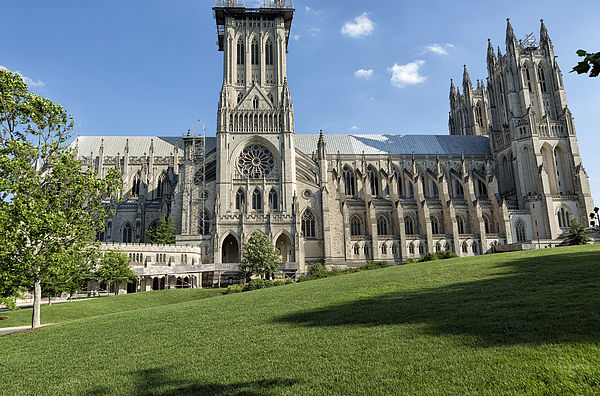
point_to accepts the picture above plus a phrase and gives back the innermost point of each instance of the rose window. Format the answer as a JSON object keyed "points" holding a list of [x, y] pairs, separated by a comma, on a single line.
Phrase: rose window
{"points": [[255, 162]]}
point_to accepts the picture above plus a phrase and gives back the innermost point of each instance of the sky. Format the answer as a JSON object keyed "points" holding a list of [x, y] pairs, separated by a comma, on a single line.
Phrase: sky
{"points": [[152, 67]]}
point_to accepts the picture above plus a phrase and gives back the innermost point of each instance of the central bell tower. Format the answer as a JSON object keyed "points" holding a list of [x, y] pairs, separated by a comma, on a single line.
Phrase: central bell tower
{"points": [[256, 168]]}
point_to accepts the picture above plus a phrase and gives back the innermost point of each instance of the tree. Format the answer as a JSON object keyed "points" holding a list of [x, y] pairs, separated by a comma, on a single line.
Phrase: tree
{"points": [[589, 61], [115, 268], [50, 208], [164, 232], [577, 235], [260, 256]]}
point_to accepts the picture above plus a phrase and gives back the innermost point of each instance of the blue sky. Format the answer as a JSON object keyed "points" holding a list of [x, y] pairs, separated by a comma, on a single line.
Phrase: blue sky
{"points": [[152, 67]]}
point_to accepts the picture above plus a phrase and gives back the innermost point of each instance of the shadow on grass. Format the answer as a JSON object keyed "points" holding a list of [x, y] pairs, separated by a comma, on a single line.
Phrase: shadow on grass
{"points": [[156, 382], [551, 299]]}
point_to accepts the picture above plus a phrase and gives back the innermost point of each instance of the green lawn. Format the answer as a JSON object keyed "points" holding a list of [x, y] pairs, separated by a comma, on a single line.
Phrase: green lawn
{"points": [[63, 312], [515, 323]]}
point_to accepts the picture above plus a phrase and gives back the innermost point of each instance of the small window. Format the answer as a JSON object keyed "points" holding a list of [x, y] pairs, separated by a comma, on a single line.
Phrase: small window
{"points": [[256, 200], [308, 224], [355, 226], [382, 226], [240, 200], [384, 249], [408, 225]]}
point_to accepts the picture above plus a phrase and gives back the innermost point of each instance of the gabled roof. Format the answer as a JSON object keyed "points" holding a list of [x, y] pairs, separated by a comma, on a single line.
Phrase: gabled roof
{"points": [[397, 144], [138, 145]]}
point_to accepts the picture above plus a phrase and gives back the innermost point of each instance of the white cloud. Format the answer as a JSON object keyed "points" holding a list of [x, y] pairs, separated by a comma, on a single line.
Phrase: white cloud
{"points": [[314, 30], [296, 37], [312, 11], [436, 48], [362, 27], [362, 73], [30, 83], [408, 74], [354, 128]]}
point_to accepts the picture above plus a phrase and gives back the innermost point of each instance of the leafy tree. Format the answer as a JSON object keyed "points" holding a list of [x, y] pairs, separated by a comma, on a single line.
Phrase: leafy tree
{"points": [[260, 256], [589, 61], [50, 209], [577, 235], [115, 268], [164, 232]]}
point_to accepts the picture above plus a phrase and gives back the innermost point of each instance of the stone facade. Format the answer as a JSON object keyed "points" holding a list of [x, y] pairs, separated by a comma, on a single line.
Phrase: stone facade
{"points": [[509, 171]]}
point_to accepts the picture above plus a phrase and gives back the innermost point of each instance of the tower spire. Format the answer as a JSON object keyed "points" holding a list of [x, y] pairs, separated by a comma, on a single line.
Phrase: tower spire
{"points": [[466, 80]]}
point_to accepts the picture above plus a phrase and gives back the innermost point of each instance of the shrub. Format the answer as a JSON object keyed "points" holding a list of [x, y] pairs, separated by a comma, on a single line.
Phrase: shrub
{"points": [[428, 257], [445, 254], [234, 289], [317, 269], [409, 261]]}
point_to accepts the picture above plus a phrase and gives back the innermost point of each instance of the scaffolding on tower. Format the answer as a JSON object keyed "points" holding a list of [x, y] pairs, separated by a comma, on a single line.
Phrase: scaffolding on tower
{"points": [[199, 158]]}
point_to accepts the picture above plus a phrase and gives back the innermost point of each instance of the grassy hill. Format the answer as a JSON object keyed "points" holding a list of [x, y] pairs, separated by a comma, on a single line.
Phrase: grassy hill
{"points": [[514, 323]]}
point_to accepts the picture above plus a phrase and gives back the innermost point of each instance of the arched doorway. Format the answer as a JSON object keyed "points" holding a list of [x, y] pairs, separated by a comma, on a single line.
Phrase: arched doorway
{"points": [[231, 250], [284, 246]]}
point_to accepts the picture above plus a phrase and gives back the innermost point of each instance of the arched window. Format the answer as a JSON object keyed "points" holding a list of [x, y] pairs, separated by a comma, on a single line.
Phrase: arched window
{"points": [[438, 247], [350, 186], [542, 78], [160, 187], [241, 52], [421, 248], [366, 249], [411, 249], [355, 226], [308, 224], [458, 189], [465, 248], [411, 189], [135, 187], [255, 102], [400, 181], [487, 224], [563, 218], [270, 96], [394, 249], [356, 250], [255, 59], [478, 115], [273, 203], [460, 224], [256, 199], [127, 233], [435, 227], [240, 199], [520, 231], [269, 53], [433, 190], [408, 225], [239, 98], [474, 247], [482, 188], [447, 247], [383, 249], [204, 223], [382, 225], [374, 181]]}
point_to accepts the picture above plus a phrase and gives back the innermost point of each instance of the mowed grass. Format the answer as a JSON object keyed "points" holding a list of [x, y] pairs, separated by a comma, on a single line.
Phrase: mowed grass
{"points": [[516, 323], [85, 308]]}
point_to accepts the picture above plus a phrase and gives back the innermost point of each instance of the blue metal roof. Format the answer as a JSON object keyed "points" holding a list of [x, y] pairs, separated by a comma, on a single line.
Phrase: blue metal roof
{"points": [[397, 144]]}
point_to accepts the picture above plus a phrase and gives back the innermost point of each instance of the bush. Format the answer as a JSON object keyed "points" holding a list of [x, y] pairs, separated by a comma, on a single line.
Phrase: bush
{"points": [[371, 265], [234, 289], [428, 257], [317, 269], [257, 284], [409, 261], [445, 254]]}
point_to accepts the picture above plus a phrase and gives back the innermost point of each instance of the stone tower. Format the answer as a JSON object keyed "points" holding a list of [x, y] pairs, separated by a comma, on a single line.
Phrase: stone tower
{"points": [[256, 179], [532, 136]]}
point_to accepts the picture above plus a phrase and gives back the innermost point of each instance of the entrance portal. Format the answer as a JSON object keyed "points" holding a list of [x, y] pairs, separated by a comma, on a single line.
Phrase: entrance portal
{"points": [[284, 246], [231, 250]]}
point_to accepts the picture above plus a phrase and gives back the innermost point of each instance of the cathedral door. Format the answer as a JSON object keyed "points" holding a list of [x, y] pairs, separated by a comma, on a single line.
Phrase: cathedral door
{"points": [[284, 246], [231, 250]]}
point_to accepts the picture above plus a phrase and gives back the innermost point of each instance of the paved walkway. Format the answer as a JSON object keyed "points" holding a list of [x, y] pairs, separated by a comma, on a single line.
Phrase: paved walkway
{"points": [[7, 330]]}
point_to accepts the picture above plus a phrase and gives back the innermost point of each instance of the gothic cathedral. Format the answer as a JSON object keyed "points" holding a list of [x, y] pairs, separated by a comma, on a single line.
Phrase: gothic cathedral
{"points": [[509, 172]]}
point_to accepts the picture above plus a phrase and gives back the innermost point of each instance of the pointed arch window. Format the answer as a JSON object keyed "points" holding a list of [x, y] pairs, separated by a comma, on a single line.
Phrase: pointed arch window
{"points": [[349, 181], [255, 59], [400, 181], [487, 225], [411, 249], [433, 188], [374, 180], [394, 249], [241, 52], [366, 249], [255, 102], [127, 233], [382, 225], [135, 187], [240, 199], [465, 247], [355, 226], [458, 189], [239, 98], [478, 115], [542, 78], [435, 226], [474, 247], [256, 199], [438, 247], [204, 223], [308, 224], [421, 248], [520, 231], [160, 188], [563, 218], [384, 249], [411, 190], [409, 225], [460, 224], [269, 53], [356, 250], [273, 202]]}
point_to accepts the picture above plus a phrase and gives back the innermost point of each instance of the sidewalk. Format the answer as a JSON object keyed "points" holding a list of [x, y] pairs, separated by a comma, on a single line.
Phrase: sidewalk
{"points": [[29, 304], [8, 330]]}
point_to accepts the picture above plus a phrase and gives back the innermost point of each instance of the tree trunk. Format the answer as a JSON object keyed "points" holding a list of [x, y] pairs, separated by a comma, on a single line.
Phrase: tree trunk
{"points": [[37, 297]]}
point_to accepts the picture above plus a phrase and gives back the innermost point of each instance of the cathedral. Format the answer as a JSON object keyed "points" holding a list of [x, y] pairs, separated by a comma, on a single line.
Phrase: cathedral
{"points": [[508, 173]]}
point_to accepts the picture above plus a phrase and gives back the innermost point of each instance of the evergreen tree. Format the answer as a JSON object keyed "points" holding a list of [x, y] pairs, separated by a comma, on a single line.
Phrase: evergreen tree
{"points": [[164, 232], [577, 235]]}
